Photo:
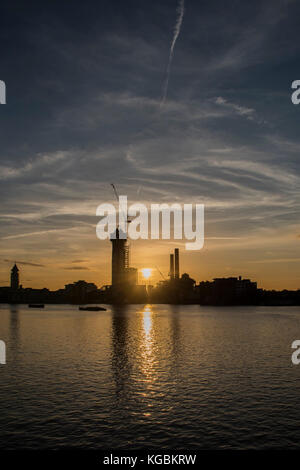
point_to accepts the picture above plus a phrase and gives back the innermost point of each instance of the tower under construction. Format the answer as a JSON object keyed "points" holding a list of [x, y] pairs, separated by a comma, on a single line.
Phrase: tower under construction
{"points": [[120, 259]]}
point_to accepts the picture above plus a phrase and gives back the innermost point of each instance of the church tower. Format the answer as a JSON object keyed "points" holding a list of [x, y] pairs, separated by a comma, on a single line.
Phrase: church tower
{"points": [[14, 278]]}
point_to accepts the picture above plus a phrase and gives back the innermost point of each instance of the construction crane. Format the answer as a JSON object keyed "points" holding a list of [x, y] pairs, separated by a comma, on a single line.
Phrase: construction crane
{"points": [[117, 196], [126, 243], [115, 191], [160, 273]]}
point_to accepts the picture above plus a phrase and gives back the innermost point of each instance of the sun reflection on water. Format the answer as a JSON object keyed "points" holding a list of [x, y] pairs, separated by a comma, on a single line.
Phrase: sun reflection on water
{"points": [[147, 344], [147, 322]]}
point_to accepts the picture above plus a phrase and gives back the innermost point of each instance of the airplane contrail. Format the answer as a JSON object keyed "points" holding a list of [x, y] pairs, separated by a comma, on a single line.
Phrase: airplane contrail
{"points": [[180, 11]]}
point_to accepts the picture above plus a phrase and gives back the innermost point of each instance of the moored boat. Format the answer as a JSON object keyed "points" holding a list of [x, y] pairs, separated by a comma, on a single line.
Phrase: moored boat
{"points": [[92, 309]]}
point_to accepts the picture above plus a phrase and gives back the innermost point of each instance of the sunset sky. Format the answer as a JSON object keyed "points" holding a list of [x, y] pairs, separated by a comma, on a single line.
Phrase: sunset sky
{"points": [[84, 88]]}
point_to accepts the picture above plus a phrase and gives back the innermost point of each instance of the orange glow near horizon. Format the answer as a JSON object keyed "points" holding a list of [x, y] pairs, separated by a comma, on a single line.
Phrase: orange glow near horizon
{"points": [[52, 262]]}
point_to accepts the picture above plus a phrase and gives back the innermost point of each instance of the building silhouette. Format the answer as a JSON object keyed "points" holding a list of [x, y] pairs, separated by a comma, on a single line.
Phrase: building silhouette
{"points": [[14, 278], [80, 291], [123, 277], [120, 258], [125, 289], [227, 291]]}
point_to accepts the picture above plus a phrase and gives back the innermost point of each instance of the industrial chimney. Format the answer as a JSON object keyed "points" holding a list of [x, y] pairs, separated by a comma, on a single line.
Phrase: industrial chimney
{"points": [[171, 266], [176, 263]]}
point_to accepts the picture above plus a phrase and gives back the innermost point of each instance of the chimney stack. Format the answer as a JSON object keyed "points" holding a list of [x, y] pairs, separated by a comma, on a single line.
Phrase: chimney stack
{"points": [[171, 266], [176, 263]]}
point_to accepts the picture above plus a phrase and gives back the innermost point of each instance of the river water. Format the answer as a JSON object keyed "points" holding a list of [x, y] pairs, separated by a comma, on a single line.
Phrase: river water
{"points": [[149, 377]]}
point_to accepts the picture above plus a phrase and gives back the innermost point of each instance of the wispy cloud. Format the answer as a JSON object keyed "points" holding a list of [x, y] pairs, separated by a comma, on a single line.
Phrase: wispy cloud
{"points": [[41, 162], [241, 110], [76, 268], [25, 263], [41, 232], [180, 12]]}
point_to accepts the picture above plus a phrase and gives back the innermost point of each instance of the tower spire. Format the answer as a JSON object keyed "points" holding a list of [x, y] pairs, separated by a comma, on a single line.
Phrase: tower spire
{"points": [[14, 277]]}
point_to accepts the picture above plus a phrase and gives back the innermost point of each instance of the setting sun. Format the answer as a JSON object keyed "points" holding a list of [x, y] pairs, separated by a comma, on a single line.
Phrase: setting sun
{"points": [[146, 272]]}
